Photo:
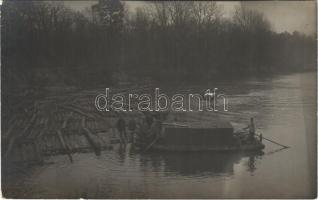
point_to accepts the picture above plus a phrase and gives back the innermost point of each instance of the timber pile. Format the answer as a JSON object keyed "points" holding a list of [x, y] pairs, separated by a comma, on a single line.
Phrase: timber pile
{"points": [[63, 124]]}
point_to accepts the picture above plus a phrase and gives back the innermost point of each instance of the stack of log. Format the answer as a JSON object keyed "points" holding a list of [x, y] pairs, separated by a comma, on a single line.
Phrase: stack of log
{"points": [[63, 124]]}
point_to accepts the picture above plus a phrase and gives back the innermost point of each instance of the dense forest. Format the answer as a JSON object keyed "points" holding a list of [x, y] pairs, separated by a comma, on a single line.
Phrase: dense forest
{"points": [[45, 43]]}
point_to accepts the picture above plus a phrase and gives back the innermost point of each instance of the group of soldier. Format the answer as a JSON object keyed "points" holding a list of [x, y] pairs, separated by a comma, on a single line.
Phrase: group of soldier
{"points": [[144, 129]]}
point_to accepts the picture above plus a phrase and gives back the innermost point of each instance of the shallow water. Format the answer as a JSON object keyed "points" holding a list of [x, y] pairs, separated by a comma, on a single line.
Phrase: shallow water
{"points": [[284, 108]]}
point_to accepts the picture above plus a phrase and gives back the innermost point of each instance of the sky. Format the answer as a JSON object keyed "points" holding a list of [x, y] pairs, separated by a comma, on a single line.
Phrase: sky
{"points": [[287, 16]]}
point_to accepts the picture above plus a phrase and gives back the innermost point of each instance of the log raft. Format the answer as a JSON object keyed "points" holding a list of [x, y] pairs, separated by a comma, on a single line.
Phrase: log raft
{"points": [[55, 127]]}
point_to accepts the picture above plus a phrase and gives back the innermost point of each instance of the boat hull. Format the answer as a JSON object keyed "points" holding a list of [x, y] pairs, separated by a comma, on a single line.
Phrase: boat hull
{"points": [[197, 136]]}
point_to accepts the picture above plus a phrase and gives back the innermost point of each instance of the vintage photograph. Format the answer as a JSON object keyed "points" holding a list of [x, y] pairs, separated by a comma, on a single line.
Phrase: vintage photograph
{"points": [[111, 99]]}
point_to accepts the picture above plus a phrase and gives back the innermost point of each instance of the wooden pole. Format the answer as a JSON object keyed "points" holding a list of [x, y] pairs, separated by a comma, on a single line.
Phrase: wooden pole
{"points": [[274, 142], [151, 144], [264, 139], [175, 124]]}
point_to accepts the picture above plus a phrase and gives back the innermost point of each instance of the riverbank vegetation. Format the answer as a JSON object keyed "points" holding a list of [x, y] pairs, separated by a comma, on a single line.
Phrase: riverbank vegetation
{"points": [[49, 44]]}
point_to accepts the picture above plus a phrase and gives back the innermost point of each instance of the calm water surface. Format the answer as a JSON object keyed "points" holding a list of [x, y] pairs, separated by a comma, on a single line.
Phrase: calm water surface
{"points": [[284, 108]]}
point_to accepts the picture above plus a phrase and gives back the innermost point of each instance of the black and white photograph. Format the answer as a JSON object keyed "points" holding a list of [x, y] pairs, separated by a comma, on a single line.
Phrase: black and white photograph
{"points": [[113, 99]]}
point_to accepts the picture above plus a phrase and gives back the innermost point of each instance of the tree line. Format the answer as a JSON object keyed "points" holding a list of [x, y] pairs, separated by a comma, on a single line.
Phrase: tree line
{"points": [[46, 43]]}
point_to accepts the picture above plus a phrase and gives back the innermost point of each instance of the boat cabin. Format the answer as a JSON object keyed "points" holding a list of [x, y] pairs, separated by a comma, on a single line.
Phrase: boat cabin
{"points": [[197, 134]]}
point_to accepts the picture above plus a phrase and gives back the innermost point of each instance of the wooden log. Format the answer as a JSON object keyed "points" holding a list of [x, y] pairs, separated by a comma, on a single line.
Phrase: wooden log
{"points": [[28, 125], [44, 130], [175, 124], [8, 132], [64, 145], [14, 138], [93, 140], [83, 122], [73, 141], [46, 143], [22, 152], [82, 141], [77, 110], [52, 142], [66, 120]]}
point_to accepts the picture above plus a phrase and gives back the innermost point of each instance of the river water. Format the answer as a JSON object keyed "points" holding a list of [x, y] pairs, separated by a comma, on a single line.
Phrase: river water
{"points": [[284, 109]]}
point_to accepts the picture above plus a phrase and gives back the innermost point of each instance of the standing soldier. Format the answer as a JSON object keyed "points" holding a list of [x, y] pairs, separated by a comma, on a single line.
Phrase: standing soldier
{"points": [[251, 129], [149, 118], [121, 126], [260, 137], [132, 129]]}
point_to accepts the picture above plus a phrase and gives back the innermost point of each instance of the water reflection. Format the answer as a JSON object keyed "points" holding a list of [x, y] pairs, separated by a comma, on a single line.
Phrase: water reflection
{"points": [[200, 163]]}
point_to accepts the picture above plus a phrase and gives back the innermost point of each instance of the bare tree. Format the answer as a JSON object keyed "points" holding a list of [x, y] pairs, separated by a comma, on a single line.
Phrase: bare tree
{"points": [[205, 13], [250, 20], [160, 13], [179, 12]]}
